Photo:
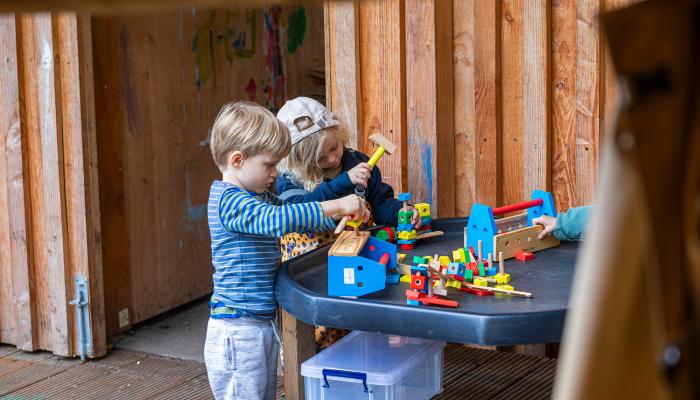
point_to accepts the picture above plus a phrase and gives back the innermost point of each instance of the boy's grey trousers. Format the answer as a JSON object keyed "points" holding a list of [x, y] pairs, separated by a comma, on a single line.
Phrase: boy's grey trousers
{"points": [[241, 358]]}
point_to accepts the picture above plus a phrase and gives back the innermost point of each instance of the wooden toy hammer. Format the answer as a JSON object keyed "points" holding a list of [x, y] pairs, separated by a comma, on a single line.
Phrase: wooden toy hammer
{"points": [[383, 145]]}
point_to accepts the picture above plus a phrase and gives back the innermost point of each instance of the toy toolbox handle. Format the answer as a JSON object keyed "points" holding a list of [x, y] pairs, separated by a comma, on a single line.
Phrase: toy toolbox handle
{"points": [[360, 376]]}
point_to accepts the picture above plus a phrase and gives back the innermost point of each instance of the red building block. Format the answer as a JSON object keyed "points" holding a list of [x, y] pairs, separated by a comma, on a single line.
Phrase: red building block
{"points": [[524, 256]]}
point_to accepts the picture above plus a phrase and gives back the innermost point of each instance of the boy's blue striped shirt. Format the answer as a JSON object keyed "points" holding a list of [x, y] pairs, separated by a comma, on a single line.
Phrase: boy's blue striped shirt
{"points": [[244, 229]]}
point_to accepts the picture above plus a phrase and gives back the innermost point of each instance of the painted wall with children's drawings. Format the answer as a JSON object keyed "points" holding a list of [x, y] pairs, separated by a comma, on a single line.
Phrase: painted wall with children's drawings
{"points": [[487, 100], [160, 80]]}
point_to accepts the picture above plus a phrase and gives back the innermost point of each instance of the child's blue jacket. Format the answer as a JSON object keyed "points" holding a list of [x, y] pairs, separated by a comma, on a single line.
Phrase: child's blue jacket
{"points": [[385, 207]]}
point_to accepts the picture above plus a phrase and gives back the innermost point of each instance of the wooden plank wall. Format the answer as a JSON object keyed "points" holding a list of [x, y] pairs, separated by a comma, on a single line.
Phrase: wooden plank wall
{"points": [[160, 79], [45, 184], [521, 106]]}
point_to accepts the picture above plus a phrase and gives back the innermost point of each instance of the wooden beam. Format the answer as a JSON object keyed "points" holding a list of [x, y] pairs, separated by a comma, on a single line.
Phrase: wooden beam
{"points": [[587, 101], [17, 319], [488, 102], [77, 111], [46, 181], [299, 345], [512, 17], [430, 104], [343, 80], [536, 97], [464, 105], [110, 141], [92, 189], [564, 55], [383, 89]]}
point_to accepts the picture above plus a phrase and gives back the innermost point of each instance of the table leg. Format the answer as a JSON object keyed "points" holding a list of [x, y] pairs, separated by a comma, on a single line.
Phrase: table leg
{"points": [[299, 345]]}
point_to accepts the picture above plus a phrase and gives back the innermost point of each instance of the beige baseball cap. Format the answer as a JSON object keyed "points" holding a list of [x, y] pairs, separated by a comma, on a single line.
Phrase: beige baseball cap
{"points": [[305, 116]]}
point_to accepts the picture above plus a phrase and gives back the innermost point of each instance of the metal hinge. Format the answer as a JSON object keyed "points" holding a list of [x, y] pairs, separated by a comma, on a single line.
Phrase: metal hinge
{"points": [[82, 316]]}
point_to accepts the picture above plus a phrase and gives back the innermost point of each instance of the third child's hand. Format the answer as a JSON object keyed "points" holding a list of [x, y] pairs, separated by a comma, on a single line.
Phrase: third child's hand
{"points": [[549, 223], [360, 174]]}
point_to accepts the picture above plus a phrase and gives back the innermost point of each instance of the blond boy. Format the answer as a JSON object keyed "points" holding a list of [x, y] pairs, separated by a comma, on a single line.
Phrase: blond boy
{"points": [[245, 221]]}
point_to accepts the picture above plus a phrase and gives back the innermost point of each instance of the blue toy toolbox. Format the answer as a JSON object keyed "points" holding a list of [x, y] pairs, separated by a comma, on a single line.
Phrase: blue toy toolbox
{"points": [[366, 365], [359, 264]]}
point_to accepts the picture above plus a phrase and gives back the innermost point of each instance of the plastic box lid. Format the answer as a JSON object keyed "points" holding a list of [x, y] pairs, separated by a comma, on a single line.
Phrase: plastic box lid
{"points": [[385, 359]]}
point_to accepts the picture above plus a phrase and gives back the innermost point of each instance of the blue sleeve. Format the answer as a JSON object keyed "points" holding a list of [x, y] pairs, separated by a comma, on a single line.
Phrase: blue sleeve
{"points": [[338, 187], [244, 213], [571, 224], [385, 208]]}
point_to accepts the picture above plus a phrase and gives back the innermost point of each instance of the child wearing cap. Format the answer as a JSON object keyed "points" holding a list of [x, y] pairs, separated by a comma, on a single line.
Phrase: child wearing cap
{"points": [[320, 167]]}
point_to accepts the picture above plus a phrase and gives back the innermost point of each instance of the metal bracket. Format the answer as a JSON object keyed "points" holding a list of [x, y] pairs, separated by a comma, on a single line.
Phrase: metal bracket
{"points": [[82, 316]]}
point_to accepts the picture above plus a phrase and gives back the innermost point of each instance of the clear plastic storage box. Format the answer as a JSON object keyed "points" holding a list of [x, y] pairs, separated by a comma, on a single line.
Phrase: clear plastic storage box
{"points": [[372, 366]]}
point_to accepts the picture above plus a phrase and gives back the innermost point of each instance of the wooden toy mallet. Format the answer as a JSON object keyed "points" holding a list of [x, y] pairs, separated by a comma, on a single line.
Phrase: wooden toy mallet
{"points": [[383, 145]]}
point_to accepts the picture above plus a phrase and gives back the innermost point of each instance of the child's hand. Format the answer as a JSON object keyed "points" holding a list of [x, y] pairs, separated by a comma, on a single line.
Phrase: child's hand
{"points": [[360, 174], [549, 223], [354, 206], [416, 220]]}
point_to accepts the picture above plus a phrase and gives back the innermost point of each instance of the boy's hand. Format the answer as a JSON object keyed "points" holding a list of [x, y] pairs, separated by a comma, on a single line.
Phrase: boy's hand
{"points": [[360, 174], [549, 223], [416, 220], [353, 205]]}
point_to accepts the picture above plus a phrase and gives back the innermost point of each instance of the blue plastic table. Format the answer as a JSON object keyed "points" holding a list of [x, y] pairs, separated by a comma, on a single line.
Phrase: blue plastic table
{"points": [[484, 320]]}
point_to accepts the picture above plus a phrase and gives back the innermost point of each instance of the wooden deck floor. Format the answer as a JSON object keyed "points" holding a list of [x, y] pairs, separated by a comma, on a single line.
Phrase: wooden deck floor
{"points": [[469, 374]]}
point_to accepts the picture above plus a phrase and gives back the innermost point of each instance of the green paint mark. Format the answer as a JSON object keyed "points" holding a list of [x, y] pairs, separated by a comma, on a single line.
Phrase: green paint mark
{"points": [[203, 49], [296, 29]]}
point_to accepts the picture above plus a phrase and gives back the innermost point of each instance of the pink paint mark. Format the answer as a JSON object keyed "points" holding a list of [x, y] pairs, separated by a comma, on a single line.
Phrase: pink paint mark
{"points": [[251, 89]]}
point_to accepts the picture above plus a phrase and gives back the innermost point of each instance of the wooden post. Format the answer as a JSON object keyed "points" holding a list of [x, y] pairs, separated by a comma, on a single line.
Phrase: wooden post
{"points": [[430, 104], [299, 345], [17, 316]]}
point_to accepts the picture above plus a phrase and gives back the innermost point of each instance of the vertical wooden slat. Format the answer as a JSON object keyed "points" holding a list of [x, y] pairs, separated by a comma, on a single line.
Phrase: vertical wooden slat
{"points": [[587, 101], [536, 116], [464, 105], [77, 106], [383, 90], [17, 319], [488, 102], [40, 124], [609, 86], [512, 100], [342, 64], [110, 125], [92, 190], [564, 55], [429, 96]]}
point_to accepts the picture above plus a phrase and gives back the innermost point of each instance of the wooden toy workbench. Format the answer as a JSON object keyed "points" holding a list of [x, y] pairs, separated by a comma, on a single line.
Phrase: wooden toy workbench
{"points": [[302, 291]]}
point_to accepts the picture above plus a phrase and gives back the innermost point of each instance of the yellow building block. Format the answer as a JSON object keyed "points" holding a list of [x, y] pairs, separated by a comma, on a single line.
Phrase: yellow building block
{"points": [[405, 279], [400, 257], [502, 278], [506, 287], [454, 284], [354, 224], [478, 281], [407, 235], [444, 260], [423, 209], [456, 257]]}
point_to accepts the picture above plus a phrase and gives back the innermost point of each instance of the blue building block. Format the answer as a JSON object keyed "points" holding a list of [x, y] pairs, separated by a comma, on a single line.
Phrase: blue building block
{"points": [[404, 196], [412, 302], [491, 271], [405, 227]]}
